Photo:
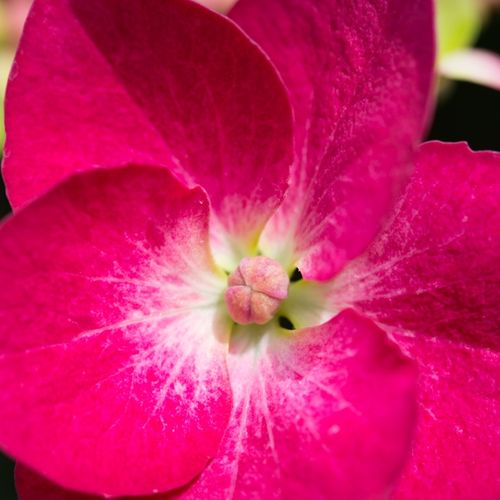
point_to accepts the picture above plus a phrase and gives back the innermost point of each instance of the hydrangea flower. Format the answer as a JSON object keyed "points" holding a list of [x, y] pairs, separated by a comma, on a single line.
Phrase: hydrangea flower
{"points": [[179, 202]]}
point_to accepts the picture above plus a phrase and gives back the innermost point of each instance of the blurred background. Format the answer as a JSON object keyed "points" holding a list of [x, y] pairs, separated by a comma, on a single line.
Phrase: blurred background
{"points": [[465, 111]]}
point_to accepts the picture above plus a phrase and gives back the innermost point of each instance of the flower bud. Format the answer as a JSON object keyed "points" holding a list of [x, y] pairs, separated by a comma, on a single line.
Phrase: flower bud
{"points": [[255, 290]]}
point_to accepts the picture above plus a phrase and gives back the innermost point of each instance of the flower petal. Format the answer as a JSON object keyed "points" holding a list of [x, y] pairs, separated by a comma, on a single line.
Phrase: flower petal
{"points": [[472, 65], [327, 413], [433, 277], [31, 486], [359, 74], [106, 83], [456, 451], [112, 369]]}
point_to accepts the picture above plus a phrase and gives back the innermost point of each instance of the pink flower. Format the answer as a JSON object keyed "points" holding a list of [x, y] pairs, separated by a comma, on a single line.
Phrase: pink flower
{"points": [[122, 370]]}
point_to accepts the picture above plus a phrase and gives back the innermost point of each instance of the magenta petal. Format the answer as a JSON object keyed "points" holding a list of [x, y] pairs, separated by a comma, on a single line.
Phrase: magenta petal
{"points": [[112, 370], [31, 486], [432, 277], [156, 82], [359, 74], [327, 413], [457, 448]]}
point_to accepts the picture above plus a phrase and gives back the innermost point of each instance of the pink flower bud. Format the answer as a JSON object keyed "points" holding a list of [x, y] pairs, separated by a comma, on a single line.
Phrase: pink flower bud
{"points": [[255, 290]]}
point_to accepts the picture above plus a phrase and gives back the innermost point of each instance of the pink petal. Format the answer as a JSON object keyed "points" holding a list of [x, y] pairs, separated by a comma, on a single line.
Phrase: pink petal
{"points": [[432, 277], [31, 486], [327, 413], [167, 83], [457, 451], [359, 74], [472, 65], [112, 366]]}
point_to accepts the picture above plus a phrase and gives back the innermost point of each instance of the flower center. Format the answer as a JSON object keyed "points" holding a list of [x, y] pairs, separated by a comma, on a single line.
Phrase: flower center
{"points": [[255, 290]]}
